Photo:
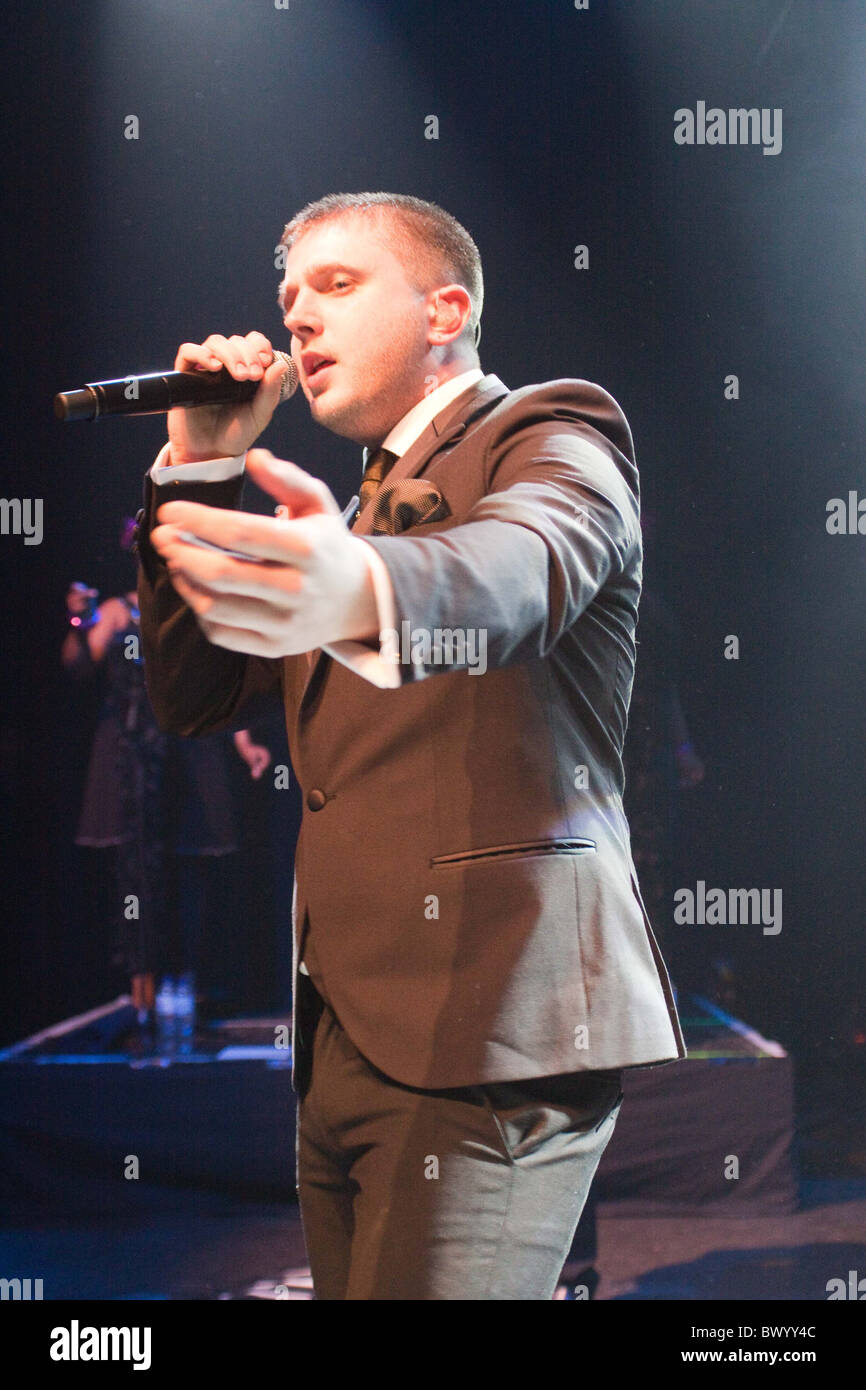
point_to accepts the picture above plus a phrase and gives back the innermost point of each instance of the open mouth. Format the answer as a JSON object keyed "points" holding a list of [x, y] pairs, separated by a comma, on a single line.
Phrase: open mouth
{"points": [[317, 368]]}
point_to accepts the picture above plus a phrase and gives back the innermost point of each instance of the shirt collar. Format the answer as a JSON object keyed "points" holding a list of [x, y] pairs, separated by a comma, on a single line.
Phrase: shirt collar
{"points": [[415, 421]]}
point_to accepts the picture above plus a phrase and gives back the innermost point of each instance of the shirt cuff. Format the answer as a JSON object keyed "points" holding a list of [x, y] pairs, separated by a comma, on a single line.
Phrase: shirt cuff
{"points": [[366, 661], [205, 471]]}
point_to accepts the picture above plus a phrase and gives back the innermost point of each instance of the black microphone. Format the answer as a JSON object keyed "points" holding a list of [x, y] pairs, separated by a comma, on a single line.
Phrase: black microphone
{"points": [[157, 392]]}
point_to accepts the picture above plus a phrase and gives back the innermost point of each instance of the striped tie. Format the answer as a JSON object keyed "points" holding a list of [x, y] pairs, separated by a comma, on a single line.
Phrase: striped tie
{"points": [[378, 466]]}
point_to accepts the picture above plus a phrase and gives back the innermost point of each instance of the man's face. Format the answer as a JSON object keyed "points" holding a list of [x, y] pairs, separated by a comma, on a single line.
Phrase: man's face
{"points": [[347, 300]]}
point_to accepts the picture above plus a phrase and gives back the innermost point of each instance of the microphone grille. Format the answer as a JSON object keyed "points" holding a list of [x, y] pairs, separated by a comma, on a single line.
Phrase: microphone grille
{"points": [[290, 380]]}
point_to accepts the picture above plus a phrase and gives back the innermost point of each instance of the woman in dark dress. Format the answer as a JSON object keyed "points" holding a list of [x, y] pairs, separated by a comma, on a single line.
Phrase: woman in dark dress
{"points": [[148, 794]]}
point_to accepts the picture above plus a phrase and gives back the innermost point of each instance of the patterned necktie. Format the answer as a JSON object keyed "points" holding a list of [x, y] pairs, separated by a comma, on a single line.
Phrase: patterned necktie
{"points": [[378, 466]]}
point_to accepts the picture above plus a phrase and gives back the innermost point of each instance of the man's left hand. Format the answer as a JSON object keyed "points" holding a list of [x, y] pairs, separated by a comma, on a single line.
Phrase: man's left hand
{"points": [[307, 582]]}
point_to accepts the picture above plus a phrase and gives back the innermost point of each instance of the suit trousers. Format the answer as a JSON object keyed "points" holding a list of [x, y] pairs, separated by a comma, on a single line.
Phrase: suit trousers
{"points": [[470, 1193]]}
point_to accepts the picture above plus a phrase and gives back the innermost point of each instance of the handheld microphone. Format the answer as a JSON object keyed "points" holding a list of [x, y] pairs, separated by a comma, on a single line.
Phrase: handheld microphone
{"points": [[157, 392]]}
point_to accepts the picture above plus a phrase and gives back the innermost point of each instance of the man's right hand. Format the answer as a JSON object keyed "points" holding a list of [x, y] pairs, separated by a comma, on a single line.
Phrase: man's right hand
{"points": [[206, 432]]}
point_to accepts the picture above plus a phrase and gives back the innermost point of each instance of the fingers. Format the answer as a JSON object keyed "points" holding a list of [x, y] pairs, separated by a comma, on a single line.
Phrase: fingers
{"points": [[259, 537], [248, 358], [290, 485], [239, 604], [237, 622], [268, 395]]}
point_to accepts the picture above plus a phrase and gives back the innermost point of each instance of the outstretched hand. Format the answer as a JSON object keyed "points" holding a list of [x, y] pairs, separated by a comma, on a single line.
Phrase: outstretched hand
{"points": [[305, 584]]}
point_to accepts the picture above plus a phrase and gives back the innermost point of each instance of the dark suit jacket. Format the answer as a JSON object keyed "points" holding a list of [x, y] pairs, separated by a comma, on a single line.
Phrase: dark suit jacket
{"points": [[463, 867]]}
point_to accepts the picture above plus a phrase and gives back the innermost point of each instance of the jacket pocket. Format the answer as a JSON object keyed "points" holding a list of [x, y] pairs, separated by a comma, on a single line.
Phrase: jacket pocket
{"points": [[523, 850]]}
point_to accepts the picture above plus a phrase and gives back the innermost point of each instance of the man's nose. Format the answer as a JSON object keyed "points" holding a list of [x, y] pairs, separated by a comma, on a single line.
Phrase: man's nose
{"points": [[302, 319]]}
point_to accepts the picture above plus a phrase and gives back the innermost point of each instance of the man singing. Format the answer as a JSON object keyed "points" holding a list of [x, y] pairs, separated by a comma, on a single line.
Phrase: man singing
{"points": [[473, 964]]}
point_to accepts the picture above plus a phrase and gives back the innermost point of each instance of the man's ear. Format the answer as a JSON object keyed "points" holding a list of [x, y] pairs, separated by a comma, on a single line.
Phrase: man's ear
{"points": [[450, 310]]}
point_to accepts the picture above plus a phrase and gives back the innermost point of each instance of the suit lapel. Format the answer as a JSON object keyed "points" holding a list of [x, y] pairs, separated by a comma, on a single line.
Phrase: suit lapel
{"points": [[444, 429]]}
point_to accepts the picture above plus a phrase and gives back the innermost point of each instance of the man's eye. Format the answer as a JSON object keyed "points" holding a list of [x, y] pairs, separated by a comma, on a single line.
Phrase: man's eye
{"points": [[342, 284]]}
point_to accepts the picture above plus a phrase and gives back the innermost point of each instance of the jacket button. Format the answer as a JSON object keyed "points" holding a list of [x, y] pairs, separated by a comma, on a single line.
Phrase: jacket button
{"points": [[316, 799]]}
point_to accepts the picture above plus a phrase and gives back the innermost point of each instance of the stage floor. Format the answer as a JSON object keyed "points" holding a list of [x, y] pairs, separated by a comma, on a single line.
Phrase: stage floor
{"points": [[234, 1249], [213, 1213]]}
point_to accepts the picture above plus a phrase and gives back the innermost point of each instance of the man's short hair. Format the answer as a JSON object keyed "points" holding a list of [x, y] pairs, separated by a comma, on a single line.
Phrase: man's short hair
{"points": [[433, 246]]}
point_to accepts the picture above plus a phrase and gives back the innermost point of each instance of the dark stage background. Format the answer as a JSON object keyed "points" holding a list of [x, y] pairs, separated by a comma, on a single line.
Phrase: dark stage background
{"points": [[555, 129]]}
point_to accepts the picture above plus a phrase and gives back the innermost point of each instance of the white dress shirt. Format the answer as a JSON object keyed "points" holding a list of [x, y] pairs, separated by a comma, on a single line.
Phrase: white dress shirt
{"points": [[366, 661]]}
